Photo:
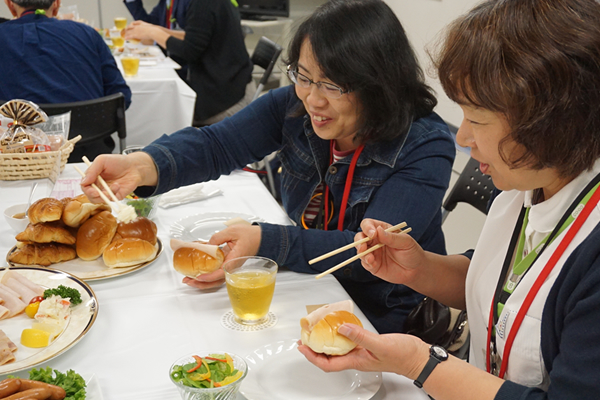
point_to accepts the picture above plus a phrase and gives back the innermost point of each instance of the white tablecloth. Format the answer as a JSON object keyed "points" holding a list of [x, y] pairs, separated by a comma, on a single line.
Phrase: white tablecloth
{"points": [[148, 318], [161, 103]]}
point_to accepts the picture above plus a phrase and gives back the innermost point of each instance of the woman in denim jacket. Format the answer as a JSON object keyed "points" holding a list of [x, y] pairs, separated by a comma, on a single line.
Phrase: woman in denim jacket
{"points": [[357, 89]]}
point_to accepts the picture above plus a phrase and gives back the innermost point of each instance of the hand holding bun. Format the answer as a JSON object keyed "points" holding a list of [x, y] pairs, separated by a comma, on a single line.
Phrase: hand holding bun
{"points": [[194, 258], [319, 328]]}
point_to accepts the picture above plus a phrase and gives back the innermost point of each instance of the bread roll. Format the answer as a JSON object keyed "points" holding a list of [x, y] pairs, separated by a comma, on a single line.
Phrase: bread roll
{"points": [[319, 328], [45, 210], [95, 235], [196, 258], [46, 232], [141, 228], [80, 209], [42, 254], [127, 252]]}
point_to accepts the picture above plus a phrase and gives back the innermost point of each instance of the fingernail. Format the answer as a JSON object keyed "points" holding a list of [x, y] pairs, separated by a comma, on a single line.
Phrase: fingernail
{"points": [[344, 330], [371, 233]]}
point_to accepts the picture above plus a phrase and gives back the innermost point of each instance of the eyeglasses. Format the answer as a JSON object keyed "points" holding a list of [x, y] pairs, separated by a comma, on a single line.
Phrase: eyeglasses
{"points": [[328, 89]]}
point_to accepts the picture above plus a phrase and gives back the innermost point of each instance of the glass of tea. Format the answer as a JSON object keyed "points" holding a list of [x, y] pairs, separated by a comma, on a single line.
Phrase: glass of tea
{"points": [[120, 23], [250, 285], [131, 64]]}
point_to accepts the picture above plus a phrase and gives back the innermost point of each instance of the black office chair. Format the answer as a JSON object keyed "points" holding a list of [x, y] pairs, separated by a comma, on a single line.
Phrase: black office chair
{"points": [[472, 187], [94, 120], [265, 55]]}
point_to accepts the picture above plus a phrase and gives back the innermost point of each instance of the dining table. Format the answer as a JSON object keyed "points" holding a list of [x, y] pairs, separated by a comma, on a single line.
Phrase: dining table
{"points": [[161, 102], [148, 318]]}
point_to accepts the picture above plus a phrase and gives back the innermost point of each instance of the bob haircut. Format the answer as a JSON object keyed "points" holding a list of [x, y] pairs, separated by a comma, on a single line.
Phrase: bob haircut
{"points": [[538, 63], [361, 46], [29, 4]]}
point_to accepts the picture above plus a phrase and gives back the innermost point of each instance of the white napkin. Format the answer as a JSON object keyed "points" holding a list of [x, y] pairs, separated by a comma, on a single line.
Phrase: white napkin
{"points": [[187, 194]]}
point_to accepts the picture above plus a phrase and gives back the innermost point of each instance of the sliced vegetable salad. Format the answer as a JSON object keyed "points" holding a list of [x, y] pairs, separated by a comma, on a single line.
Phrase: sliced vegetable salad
{"points": [[215, 370]]}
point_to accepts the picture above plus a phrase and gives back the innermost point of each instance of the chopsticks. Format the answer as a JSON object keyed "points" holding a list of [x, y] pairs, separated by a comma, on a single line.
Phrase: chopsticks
{"points": [[351, 245], [102, 182], [106, 199]]}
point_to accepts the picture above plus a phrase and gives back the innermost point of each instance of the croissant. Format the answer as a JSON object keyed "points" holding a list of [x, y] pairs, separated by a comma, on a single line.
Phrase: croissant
{"points": [[42, 254], [46, 232], [45, 210]]}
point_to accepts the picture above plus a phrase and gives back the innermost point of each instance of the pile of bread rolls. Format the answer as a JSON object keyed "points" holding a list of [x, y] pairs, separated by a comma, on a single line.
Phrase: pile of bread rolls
{"points": [[61, 230]]}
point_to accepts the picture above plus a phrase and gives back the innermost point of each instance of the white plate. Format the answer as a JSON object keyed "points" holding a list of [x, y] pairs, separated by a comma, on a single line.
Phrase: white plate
{"points": [[81, 320], [203, 226], [278, 371], [93, 270]]}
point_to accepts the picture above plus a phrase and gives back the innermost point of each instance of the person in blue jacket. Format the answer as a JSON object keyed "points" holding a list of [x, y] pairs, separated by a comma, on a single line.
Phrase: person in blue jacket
{"points": [[527, 75], [357, 137], [46, 60]]}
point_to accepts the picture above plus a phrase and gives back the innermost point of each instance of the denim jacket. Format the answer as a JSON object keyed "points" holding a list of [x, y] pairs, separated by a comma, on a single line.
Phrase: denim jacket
{"points": [[401, 180]]}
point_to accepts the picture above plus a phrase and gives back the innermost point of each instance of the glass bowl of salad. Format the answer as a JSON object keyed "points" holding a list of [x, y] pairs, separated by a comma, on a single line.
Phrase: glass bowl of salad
{"points": [[144, 207], [208, 376]]}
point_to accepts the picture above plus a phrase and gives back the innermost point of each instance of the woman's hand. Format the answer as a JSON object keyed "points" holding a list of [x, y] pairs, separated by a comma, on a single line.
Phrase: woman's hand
{"points": [[240, 240], [397, 353], [140, 30], [398, 261], [122, 173]]}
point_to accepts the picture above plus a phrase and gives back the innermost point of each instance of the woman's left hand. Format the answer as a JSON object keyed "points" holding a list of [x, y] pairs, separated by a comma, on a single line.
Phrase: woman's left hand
{"points": [[398, 353], [241, 240]]}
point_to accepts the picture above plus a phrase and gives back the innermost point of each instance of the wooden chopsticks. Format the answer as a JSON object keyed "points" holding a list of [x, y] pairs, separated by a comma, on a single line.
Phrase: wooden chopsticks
{"points": [[351, 245], [102, 182], [106, 199]]}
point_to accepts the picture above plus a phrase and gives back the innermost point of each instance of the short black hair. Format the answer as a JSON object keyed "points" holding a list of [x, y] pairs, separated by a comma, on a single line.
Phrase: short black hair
{"points": [[38, 4], [361, 46]]}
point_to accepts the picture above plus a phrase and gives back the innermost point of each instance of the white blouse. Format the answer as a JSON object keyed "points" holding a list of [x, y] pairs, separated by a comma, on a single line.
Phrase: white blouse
{"points": [[525, 365]]}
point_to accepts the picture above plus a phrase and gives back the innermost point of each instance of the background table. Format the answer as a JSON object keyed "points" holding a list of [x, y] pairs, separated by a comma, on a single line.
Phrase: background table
{"points": [[161, 103], [148, 318]]}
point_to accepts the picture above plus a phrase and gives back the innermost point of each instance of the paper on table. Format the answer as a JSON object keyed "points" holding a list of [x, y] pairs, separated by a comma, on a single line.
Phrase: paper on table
{"points": [[188, 194]]}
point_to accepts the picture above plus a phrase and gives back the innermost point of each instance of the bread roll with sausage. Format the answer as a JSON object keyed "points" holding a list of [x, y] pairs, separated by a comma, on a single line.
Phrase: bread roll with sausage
{"points": [[195, 258], [319, 328], [95, 235], [141, 228], [80, 209], [45, 210], [127, 252]]}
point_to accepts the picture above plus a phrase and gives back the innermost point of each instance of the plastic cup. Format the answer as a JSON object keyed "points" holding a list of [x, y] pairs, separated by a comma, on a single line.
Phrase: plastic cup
{"points": [[120, 23], [131, 65], [250, 285], [115, 36]]}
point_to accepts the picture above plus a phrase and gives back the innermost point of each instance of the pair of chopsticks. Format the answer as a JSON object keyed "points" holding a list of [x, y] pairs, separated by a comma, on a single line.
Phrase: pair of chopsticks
{"points": [[359, 255], [103, 183]]}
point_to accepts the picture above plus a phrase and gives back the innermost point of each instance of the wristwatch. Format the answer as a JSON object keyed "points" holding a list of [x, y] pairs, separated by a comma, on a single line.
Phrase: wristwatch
{"points": [[437, 354]]}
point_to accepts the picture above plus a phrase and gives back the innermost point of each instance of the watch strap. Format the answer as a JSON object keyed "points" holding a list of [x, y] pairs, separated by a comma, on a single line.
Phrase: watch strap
{"points": [[427, 370]]}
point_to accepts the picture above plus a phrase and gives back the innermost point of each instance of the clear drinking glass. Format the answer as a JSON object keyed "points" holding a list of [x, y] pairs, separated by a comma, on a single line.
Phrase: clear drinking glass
{"points": [[250, 285]]}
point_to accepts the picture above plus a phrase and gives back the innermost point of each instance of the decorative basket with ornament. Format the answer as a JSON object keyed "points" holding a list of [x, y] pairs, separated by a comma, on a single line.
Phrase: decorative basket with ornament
{"points": [[25, 151]]}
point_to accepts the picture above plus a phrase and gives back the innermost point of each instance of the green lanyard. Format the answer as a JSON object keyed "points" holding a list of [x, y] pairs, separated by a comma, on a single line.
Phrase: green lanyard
{"points": [[522, 264]]}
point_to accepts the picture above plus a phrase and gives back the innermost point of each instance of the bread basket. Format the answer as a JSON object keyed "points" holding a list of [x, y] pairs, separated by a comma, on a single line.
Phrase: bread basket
{"points": [[17, 166]]}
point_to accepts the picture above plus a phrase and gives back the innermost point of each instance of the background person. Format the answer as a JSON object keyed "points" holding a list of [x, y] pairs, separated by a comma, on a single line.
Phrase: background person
{"points": [[527, 75], [346, 105], [46, 60], [219, 68]]}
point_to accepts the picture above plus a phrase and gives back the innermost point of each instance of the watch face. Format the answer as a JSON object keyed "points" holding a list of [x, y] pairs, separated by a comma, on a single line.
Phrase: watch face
{"points": [[439, 353]]}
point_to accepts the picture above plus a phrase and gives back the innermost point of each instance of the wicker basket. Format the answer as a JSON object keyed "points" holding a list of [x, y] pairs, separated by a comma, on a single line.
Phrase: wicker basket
{"points": [[17, 166]]}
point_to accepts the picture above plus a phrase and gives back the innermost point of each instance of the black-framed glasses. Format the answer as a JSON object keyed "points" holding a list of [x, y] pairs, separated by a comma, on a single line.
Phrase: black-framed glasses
{"points": [[328, 89]]}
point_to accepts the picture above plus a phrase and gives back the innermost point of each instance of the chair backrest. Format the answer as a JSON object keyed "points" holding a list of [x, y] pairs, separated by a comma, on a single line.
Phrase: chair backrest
{"points": [[93, 119], [472, 187], [265, 55]]}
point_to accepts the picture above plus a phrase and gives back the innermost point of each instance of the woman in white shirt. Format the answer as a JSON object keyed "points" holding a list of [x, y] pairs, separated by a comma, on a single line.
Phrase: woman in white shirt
{"points": [[526, 74]]}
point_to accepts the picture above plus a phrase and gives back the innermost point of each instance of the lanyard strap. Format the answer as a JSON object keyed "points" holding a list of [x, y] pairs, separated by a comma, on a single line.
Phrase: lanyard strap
{"points": [[591, 196], [347, 187], [170, 6]]}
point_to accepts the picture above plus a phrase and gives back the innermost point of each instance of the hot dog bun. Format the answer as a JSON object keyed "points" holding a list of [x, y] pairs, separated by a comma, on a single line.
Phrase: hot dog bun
{"points": [[80, 209], [319, 328], [141, 228], [196, 258], [127, 252], [95, 235]]}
